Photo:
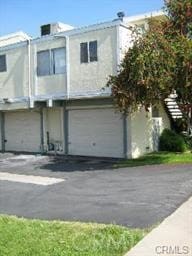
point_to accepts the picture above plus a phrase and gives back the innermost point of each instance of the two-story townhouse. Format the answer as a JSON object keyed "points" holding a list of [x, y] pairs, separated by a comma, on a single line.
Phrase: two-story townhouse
{"points": [[53, 94]]}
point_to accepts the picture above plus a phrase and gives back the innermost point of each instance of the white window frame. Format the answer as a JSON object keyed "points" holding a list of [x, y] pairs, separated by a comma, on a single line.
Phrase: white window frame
{"points": [[88, 52], [5, 66], [51, 62]]}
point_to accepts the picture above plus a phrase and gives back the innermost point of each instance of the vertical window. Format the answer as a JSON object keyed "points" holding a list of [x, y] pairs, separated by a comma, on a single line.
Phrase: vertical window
{"points": [[43, 63], [88, 52], [84, 52], [59, 60], [93, 51], [3, 66]]}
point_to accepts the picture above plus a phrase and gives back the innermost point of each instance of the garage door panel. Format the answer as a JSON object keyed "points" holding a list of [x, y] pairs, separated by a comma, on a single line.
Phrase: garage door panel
{"points": [[22, 131], [0, 132], [95, 132]]}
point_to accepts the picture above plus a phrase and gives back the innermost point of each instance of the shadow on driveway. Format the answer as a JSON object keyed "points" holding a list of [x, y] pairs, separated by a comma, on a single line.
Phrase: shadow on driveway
{"points": [[80, 163]]}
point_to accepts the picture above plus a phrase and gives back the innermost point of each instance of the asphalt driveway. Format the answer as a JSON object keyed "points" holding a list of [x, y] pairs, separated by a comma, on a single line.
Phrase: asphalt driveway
{"points": [[93, 191]]}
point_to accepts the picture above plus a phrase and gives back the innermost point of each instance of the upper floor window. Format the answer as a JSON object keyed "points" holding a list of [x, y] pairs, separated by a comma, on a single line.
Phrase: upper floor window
{"points": [[43, 63], [59, 60], [3, 65], [51, 62], [88, 52], [84, 52], [93, 51]]}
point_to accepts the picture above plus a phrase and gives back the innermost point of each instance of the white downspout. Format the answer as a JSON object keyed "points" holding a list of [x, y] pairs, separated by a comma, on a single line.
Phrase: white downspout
{"points": [[67, 64], [35, 69], [67, 67], [29, 71], [118, 53]]}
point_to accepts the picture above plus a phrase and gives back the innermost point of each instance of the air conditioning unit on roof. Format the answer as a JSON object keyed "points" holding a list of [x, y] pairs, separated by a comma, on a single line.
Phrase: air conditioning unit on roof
{"points": [[53, 28]]}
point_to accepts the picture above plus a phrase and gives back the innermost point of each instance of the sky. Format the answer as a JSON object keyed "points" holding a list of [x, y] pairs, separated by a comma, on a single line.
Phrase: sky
{"points": [[29, 15]]}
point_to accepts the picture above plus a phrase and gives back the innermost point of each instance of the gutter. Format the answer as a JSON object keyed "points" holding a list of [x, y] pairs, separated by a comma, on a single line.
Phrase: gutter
{"points": [[72, 32]]}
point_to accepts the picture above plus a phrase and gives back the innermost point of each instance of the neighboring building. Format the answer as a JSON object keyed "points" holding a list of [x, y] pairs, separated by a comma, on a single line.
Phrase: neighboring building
{"points": [[53, 94]]}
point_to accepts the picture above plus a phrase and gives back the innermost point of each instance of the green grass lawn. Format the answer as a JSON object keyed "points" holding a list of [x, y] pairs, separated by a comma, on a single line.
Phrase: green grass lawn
{"points": [[157, 158], [22, 237]]}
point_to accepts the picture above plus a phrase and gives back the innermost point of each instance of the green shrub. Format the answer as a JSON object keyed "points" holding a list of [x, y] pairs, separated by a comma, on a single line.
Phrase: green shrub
{"points": [[180, 125], [188, 140], [171, 141]]}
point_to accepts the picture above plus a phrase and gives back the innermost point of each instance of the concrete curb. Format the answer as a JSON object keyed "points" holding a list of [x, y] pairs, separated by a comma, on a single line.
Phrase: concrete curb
{"points": [[172, 237]]}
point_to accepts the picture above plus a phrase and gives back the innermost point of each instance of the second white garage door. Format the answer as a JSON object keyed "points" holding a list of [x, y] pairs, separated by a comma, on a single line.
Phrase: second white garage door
{"points": [[22, 131], [0, 133], [95, 132]]}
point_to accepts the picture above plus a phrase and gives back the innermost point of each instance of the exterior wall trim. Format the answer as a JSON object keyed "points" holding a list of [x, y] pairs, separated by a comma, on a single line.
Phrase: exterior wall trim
{"points": [[86, 29], [72, 32], [118, 48], [13, 46], [2, 119], [66, 130], [125, 141], [81, 30], [129, 137], [67, 66], [42, 130], [144, 16]]}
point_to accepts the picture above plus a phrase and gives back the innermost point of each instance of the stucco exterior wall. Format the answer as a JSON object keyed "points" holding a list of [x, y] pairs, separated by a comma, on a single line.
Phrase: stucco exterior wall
{"points": [[84, 78], [14, 82], [125, 40], [142, 130], [50, 84], [53, 126], [14, 106], [13, 38], [92, 76], [141, 133], [165, 119]]}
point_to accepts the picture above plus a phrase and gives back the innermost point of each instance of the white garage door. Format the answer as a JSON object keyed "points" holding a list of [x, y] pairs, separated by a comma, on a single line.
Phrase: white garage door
{"points": [[22, 131], [95, 132], [0, 134]]}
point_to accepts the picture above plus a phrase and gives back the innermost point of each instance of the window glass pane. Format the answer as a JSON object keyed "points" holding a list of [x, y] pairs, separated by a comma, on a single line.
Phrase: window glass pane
{"points": [[43, 63], [59, 60], [93, 51], [84, 52], [3, 66]]}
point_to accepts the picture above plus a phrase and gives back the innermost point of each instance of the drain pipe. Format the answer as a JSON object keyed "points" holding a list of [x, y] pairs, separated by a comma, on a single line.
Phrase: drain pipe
{"points": [[67, 64], [67, 67], [29, 73]]}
